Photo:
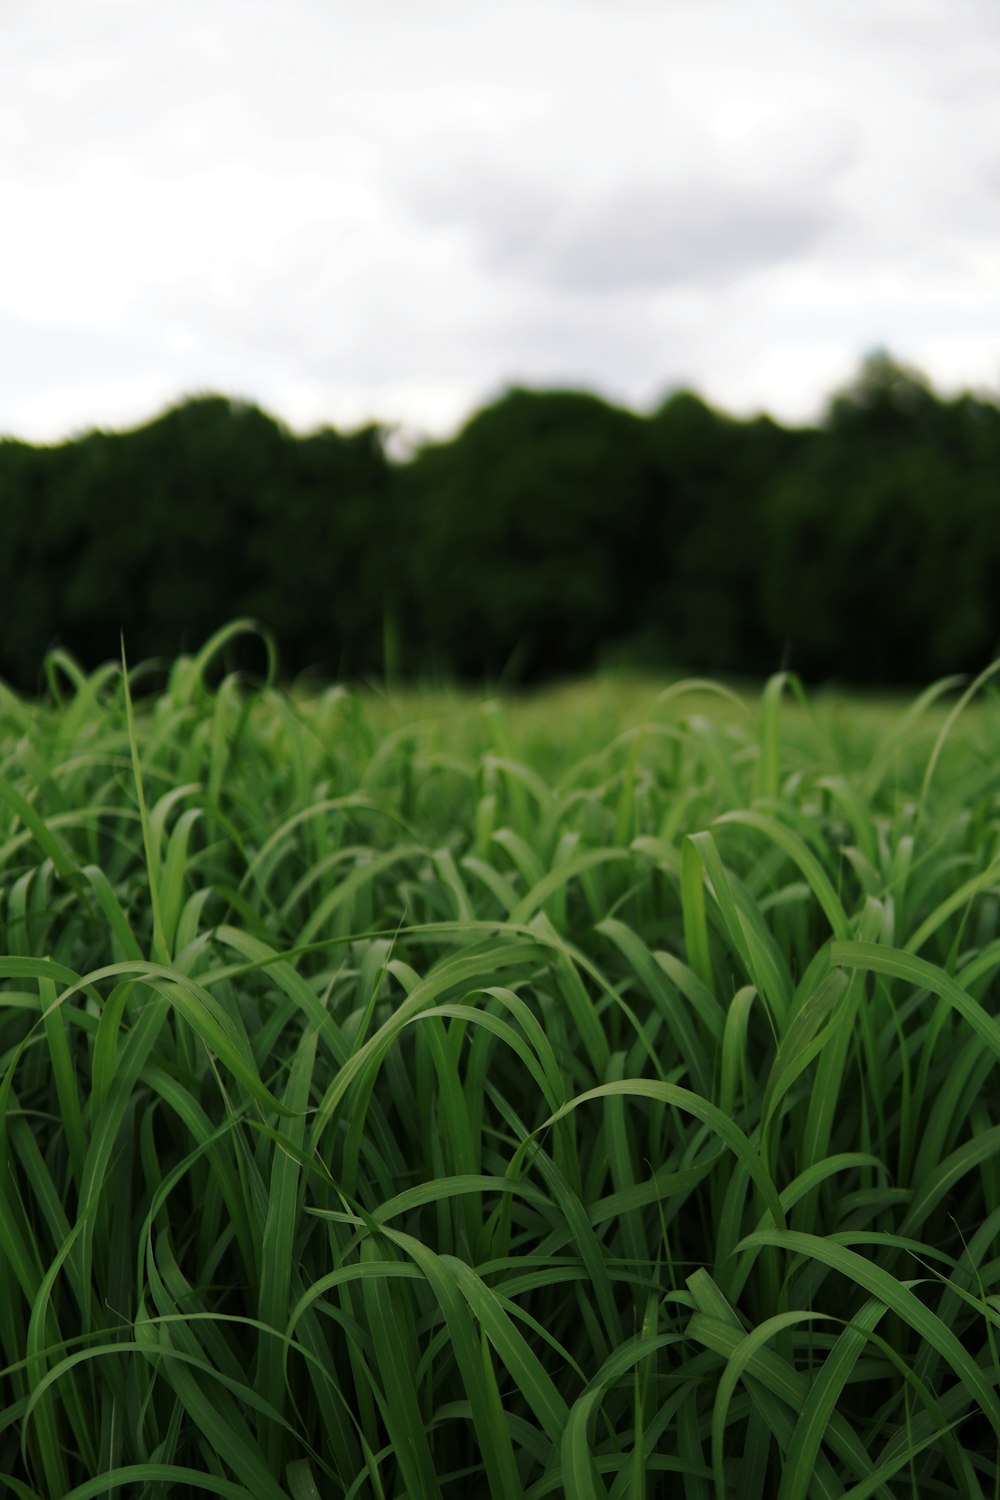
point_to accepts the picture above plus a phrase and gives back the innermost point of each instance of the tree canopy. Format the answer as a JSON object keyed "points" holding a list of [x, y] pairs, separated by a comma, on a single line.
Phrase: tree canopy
{"points": [[554, 531]]}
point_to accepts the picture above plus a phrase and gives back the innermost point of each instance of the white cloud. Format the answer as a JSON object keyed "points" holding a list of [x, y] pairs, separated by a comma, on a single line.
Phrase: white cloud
{"points": [[388, 210]]}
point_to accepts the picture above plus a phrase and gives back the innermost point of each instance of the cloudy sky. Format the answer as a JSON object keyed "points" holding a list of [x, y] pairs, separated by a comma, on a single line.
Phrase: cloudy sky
{"points": [[356, 209]]}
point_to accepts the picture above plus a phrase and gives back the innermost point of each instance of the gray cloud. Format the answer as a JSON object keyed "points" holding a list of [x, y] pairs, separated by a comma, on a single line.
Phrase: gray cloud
{"points": [[505, 216], [388, 210], [645, 238], [620, 238]]}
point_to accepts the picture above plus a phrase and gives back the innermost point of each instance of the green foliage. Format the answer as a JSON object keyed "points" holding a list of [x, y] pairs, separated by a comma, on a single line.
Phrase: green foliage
{"points": [[883, 536], [523, 529], [167, 532], [590, 1095], [554, 532]]}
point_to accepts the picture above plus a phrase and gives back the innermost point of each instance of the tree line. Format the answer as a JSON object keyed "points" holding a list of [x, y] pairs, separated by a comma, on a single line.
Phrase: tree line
{"points": [[553, 533]]}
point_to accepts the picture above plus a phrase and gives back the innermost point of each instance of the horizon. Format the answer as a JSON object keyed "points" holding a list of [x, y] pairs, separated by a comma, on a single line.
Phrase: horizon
{"points": [[407, 439]]}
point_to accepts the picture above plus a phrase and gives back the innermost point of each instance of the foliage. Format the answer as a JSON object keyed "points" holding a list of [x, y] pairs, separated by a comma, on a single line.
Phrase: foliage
{"points": [[522, 530], [507, 1101], [555, 531]]}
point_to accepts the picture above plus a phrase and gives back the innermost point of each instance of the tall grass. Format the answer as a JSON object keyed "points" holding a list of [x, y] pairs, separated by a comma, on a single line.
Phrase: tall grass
{"points": [[513, 1102]]}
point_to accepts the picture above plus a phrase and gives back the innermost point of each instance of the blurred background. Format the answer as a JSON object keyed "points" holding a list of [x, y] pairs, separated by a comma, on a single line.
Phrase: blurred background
{"points": [[503, 341]]}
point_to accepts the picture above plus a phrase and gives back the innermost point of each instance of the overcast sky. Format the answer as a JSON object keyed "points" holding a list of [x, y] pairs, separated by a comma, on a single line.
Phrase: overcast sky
{"points": [[391, 209]]}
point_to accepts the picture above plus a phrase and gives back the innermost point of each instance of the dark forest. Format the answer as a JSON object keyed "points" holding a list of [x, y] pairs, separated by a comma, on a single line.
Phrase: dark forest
{"points": [[553, 534]]}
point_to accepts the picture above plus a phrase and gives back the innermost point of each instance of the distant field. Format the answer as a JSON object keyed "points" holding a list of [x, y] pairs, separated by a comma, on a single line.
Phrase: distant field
{"points": [[591, 1093]]}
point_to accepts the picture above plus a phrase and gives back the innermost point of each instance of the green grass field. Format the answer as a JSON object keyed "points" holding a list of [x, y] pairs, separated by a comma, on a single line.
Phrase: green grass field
{"points": [[589, 1094]]}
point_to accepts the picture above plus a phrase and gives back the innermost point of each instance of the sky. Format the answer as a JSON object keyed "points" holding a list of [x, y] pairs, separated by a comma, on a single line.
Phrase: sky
{"points": [[358, 210]]}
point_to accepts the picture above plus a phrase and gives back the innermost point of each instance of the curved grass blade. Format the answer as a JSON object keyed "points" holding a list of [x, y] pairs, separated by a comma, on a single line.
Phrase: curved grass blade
{"points": [[897, 1297]]}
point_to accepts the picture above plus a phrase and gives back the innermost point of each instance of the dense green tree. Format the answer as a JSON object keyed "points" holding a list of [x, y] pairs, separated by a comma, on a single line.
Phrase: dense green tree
{"points": [[882, 541], [531, 531], [555, 530], [322, 553], [712, 472]]}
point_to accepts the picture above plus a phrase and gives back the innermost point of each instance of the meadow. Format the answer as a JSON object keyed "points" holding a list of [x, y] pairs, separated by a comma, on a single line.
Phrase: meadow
{"points": [[411, 1094]]}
